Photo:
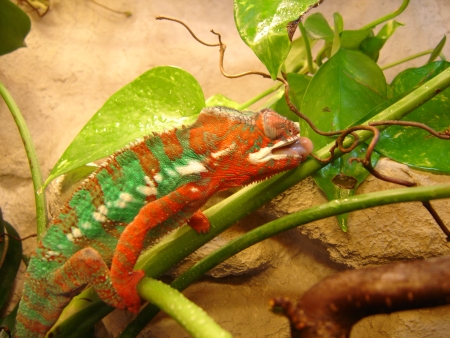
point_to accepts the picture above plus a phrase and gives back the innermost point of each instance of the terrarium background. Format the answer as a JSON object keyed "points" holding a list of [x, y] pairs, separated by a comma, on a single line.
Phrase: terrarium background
{"points": [[79, 54]]}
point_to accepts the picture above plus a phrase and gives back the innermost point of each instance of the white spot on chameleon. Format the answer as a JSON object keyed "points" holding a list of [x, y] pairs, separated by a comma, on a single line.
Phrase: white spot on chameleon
{"points": [[98, 217], [170, 173], [52, 253], [147, 191], [76, 232], [126, 197], [193, 189], [86, 225], [158, 177], [148, 181], [224, 152], [69, 237], [121, 204], [193, 167], [103, 209]]}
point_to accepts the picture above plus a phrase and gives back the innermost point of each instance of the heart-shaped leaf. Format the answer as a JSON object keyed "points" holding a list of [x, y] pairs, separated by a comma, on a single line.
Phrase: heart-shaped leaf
{"points": [[262, 24], [162, 98]]}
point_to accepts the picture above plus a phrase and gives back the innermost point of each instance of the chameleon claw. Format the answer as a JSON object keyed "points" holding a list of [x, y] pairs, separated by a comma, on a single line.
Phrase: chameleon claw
{"points": [[199, 222]]}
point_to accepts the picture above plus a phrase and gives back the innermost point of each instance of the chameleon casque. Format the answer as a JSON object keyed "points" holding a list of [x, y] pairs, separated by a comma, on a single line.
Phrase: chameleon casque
{"points": [[160, 181]]}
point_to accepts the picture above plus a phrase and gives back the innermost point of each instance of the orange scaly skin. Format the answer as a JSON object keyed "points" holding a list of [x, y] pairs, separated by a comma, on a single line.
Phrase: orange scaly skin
{"points": [[144, 191]]}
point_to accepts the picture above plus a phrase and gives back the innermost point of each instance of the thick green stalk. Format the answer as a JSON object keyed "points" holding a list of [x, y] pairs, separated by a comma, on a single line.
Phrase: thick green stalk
{"points": [[387, 17], [36, 175], [296, 219], [184, 241], [193, 319]]}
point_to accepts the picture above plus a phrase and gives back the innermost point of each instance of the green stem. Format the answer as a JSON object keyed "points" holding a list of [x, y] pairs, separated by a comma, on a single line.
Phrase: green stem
{"points": [[193, 319], [408, 58], [387, 17], [258, 97], [36, 175], [307, 48], [294, 220]]}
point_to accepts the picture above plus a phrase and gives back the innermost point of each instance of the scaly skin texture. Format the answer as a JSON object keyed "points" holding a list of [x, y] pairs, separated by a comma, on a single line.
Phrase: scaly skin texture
{"points": [[158, 184]]}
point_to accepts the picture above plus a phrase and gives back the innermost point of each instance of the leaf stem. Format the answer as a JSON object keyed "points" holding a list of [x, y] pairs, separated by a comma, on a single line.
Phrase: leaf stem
{"points": [[258, 97], [307, 47], [411, 57], [387, 17], [36, 174]]}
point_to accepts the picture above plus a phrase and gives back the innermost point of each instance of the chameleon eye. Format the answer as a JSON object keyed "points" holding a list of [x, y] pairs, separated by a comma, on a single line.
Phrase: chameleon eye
{"points": [[276, 126]]}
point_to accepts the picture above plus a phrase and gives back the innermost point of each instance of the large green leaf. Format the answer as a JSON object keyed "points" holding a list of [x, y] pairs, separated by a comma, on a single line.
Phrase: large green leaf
{"points": [[14, 27], [345, 89], [262, 24], [342, 91], [412, 146], [162, 98]]}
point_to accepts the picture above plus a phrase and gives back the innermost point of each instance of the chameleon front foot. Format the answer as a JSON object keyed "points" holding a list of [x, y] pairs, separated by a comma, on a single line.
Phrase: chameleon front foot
{"points": [[127, 290], [199, 222]]}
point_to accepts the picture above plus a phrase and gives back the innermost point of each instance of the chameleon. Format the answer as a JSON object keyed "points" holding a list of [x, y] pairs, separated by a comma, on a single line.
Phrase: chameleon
{"points": [[149, 188]]}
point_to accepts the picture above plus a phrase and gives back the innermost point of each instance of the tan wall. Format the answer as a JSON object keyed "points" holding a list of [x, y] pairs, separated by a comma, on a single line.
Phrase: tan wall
{"points": [[79, 54]]}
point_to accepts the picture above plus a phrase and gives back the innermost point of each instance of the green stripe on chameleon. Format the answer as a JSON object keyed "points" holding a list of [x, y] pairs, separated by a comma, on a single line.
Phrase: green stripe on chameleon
{"points": [[122, 201], [32, 313], [168, 179], [81, 202]]}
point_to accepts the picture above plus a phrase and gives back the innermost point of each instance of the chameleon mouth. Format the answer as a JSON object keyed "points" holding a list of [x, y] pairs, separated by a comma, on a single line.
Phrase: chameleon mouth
{"points": [[294, 147], [298, 146]]}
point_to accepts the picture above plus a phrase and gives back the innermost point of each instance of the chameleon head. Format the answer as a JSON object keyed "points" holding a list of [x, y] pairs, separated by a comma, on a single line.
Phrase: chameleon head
{"points": [[245, 147]]}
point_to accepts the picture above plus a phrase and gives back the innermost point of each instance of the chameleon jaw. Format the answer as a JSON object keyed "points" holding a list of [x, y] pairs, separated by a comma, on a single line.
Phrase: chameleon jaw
{"points": [[294, 147]]}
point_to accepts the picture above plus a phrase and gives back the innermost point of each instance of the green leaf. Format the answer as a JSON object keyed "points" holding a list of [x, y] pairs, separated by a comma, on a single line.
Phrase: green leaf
{"points": [[416, 147], [9, 321], [372, 45], [342, 91], [437, 50], [338, 27], [14, 27], [11, 262], [221, 100], [351, 39], [162, 98], [317, 28], [262, 25]]}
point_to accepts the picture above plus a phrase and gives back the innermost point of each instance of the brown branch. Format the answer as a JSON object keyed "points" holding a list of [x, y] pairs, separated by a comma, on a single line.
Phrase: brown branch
{"points": [[16, 238], [333, 306]]}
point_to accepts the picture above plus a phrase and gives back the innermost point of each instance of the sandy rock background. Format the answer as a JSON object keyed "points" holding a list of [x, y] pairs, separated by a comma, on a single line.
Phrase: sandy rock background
{"points": [[79, 54]]}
